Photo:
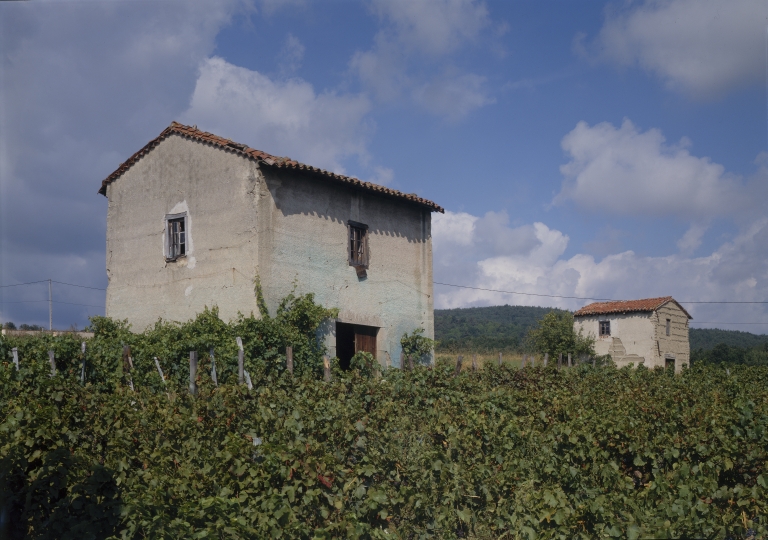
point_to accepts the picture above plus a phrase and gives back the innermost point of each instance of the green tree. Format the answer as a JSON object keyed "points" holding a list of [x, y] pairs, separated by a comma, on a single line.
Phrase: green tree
{"points": [[555, 334]]}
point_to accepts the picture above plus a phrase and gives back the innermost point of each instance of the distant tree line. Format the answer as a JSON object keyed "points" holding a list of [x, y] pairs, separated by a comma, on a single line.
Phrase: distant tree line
{"points": [[722, 353], [11, 326], [509, 329]]}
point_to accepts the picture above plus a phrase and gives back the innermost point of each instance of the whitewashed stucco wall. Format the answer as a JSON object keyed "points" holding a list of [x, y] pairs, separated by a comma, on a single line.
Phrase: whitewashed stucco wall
{"points": [[217, 189], [288, 228], [642, 335]]}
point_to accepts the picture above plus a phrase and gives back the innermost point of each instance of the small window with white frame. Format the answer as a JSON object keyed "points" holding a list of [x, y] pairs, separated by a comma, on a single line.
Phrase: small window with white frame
{"points": [[605, 328], [175, 236]]}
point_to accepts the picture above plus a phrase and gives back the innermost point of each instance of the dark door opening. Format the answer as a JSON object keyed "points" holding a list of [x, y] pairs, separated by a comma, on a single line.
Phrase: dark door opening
{"points": [[351, 338], [669, 363]]}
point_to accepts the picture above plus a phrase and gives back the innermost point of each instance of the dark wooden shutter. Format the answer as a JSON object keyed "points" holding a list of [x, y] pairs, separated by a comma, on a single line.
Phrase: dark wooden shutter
{"points": [[365, 339]]}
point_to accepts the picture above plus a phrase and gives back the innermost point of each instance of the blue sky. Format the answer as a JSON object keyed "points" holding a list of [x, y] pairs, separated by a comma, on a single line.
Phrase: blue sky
{"points": [[593, 149]]}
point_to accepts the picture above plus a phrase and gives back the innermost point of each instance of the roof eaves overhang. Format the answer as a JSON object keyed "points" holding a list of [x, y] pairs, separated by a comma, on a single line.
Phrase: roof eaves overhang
{"points": [[193, 133]]}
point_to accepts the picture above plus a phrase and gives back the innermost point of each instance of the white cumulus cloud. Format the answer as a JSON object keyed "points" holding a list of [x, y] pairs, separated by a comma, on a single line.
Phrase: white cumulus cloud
{"points": [[411, 54], [282, 117], [700, 47], [735, 271], [625, 171]]}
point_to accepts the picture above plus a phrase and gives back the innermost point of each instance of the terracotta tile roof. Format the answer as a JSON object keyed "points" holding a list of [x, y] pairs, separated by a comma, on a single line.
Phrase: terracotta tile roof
{"points": [[191, 132], [627, 306]]}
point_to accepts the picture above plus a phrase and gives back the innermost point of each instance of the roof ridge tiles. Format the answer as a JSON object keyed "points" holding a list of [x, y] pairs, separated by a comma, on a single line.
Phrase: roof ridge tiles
{"points": [[628, 306]]}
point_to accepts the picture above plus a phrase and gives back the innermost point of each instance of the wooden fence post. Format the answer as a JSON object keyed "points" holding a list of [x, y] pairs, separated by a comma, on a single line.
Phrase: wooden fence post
{"points": [[240, 366], [15, 352], [499, 358], [159, 370], [52, 361], [560, 361], [546, 359], [213, 368], [474, 362], [410, 362], [570, 363], [289, 359], [192, 372], [82, 364], [458, 365], [326, 368], [126, 362]]}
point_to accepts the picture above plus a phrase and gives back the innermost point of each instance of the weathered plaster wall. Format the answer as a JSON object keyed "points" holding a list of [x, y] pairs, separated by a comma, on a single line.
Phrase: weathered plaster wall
{"points": [[303, 240], [288, 228], [218, 190], [632, 332], [677, 345], [642, 336]]}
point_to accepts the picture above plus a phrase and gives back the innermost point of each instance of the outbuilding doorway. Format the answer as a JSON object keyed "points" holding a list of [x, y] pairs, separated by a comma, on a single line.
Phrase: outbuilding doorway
{"points": [[352, 338]]}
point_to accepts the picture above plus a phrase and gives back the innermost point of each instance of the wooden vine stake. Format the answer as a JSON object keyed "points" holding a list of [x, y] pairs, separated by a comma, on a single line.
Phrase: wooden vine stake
{"points": [[474, 362], [82, 363], [192, 372], [15, 352], [593, 361], [213, 368], [500, 359], [559, 360], [240, 363], [522, 365], [52, 361], [458, 365], [410, 362], [546, 359], [326, 368], [289, 359], [159, 370], [570, 363]]}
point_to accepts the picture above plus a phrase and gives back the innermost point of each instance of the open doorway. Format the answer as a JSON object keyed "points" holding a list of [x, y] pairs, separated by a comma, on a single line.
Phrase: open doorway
{"points": [[352, 338]]}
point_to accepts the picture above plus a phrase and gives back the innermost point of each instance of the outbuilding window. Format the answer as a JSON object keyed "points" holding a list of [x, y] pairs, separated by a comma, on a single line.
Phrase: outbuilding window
{"points": [[605, 328], [176, 236], [669, 325], [358, 247]]}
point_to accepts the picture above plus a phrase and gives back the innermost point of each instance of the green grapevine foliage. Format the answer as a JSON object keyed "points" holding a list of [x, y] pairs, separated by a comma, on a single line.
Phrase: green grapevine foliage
{"points": [[500, 453]]}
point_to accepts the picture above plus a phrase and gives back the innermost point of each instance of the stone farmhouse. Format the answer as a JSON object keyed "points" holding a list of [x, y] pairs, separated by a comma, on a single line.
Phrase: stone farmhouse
{"points": [[652, 332], [193, 219]]}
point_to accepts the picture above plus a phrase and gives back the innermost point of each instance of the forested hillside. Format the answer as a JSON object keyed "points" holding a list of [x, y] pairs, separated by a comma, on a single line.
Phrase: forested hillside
{"points": [[485, 328], [707, 338], [503, 328]]}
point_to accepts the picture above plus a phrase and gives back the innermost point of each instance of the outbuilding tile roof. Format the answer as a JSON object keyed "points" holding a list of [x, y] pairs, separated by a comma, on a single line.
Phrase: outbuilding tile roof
{"points": [[627, 306], [191, 132]]}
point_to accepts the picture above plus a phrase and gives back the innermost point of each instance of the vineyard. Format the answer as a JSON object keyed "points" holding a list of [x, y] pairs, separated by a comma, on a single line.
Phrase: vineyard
{"points": [[587, 452]]}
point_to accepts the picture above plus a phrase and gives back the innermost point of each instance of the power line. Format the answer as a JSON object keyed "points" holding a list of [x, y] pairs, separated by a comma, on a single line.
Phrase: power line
{"points": [[524, 294], [55, 302], [584, 297], [81, 286], [52, 281], [702, 322], [20, 284]]}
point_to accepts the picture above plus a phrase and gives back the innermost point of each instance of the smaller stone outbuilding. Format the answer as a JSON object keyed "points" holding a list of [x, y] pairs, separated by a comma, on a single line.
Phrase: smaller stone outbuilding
{"points": [[652, 332]]}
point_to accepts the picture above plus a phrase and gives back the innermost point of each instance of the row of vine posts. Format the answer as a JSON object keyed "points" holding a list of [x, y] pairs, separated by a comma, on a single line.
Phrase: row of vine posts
{"points": [[244, 377], [530, 361]]}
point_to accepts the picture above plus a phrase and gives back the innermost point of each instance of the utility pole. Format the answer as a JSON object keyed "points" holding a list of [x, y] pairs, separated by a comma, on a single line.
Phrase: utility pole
{"points": [[50, 307]]}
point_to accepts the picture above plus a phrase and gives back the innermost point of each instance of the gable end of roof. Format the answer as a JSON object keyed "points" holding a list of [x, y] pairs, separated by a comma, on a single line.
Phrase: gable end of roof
{"points": [[192, 133]]}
